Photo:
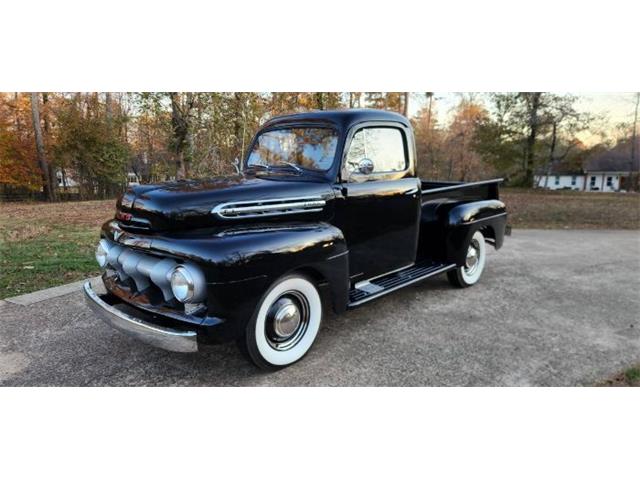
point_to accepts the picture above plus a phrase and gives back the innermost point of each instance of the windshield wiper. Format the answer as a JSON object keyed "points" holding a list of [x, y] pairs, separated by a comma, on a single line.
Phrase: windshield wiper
{"points": [[292, 165], [260, 165]]}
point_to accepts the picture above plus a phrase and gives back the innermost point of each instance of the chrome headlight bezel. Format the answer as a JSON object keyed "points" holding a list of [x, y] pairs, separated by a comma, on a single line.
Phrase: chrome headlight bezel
{"points": [[188, 282], [102, 253], [182, 284]]}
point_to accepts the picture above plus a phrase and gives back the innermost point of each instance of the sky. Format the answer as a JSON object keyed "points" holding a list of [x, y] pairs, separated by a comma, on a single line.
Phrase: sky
{"points": [[617, 107]]}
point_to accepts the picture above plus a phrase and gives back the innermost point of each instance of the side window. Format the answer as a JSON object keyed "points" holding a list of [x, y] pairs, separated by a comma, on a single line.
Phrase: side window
{"points": [[383, 146]]}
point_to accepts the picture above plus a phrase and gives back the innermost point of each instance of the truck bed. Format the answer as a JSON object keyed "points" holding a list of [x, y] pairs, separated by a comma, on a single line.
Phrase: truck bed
{"points": [[464, 191]]}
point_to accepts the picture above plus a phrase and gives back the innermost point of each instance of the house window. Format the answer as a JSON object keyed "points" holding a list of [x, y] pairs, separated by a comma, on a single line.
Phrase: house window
{"points": [[573, 180], [609, 181], [593, 182], [557, 180]]}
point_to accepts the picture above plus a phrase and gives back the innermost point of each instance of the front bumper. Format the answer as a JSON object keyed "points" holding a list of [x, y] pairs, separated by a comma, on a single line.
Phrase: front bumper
{"points": [[158, 336]]}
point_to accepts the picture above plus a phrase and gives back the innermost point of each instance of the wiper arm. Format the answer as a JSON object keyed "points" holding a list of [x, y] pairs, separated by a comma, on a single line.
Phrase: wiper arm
{"points": [[260, 165], [292, 165]]}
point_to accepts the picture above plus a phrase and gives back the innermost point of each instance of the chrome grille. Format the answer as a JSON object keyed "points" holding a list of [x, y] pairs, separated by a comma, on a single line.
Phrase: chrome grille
{"points": [[141, 268]]}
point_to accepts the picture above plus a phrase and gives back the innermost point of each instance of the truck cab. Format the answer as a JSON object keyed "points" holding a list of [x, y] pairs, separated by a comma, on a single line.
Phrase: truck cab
{"points": [[325, 212]]}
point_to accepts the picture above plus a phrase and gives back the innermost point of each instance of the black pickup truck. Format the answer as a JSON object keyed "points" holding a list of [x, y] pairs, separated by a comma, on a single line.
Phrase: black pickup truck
{"points": [[325, 212]]}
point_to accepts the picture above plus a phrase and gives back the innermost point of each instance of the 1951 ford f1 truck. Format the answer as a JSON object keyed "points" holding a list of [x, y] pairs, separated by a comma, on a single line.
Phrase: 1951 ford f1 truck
{"points": [[326, 212]]}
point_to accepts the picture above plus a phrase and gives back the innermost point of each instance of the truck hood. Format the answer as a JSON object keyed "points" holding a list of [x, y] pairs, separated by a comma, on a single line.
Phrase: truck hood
{"points": [[223, 201]]}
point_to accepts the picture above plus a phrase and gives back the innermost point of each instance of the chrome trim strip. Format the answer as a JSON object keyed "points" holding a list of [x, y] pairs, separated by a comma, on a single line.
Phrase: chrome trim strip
{"points": [[276, 206], [462, 185], [338, 255], [490, 217], [165, 338]]}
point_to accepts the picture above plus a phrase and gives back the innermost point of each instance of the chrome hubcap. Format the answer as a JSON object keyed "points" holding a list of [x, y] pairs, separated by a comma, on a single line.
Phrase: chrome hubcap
{"points": [[473, 257], [287, 320]]}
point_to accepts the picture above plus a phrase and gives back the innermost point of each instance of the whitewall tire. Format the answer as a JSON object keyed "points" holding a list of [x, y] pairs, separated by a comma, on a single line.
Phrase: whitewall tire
{"points": [[285, 324], [476, 258]]}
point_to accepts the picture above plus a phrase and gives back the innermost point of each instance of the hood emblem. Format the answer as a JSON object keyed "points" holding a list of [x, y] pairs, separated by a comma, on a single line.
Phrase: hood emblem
{"points": [[126, 217]]}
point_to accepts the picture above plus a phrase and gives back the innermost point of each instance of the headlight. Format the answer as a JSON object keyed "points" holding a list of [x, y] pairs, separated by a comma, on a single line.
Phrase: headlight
{"points": [[102, 251], [182, 284]]}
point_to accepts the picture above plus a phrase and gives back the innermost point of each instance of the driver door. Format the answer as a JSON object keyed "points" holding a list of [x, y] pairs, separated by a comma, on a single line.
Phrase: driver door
{"points": [[381, 209]]}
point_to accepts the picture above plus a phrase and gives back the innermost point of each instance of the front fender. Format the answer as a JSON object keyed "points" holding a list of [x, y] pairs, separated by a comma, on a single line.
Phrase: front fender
{"points": [[240, 263]]}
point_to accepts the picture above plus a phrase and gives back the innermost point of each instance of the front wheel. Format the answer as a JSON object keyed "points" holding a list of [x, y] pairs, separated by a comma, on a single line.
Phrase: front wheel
{"points": [[475, 260], [285, 324]]}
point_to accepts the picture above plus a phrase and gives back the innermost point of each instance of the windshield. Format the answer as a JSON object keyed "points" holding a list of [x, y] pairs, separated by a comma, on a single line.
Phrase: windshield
{"points": [[309, 148]]}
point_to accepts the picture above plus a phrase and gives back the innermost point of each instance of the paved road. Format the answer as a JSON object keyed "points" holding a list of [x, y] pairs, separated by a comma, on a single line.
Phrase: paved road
{"points": [[553, 308]]}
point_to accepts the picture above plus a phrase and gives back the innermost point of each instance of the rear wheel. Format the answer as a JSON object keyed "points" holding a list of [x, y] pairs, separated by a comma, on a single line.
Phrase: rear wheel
{"points": [[285, 324], [470, 273]]}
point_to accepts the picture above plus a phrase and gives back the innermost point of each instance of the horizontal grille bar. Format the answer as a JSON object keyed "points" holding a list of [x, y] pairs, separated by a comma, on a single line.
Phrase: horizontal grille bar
{"points": [[261, 208], [143, 269]]}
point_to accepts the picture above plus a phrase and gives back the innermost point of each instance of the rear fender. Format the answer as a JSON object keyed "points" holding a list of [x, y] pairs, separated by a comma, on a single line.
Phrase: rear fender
{"points": [[463, 220]]}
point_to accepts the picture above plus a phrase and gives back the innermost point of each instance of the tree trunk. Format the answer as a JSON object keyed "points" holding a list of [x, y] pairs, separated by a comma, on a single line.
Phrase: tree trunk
{"points": [[16, 109], [432, 160], [45, 113], [238, 123], [181, 139], [42, 158], [108, 106], [634, 142], [552, 151], [531, 139], [406, 105]]}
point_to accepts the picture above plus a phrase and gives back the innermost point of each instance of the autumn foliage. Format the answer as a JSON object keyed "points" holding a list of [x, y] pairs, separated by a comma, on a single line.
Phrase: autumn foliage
{"points": [[93, 144], [18, 166]]}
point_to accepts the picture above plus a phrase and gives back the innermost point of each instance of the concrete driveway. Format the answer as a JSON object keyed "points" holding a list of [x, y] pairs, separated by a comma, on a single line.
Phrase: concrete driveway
{"points": [[553, 308]]}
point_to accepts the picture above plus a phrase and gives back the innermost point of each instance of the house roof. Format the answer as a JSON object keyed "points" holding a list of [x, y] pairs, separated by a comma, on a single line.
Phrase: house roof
{"points": [[560, 169], [617, 159]]}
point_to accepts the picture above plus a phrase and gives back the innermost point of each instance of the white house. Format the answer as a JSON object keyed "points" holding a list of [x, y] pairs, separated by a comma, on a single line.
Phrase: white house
{"points": [[605, 171], [604, 181], [610, 171], [66, 179], [560, 180], [591, 181]]}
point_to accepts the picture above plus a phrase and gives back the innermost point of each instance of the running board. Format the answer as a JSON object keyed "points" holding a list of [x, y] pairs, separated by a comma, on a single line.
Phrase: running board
{"points": [[372, 289]]}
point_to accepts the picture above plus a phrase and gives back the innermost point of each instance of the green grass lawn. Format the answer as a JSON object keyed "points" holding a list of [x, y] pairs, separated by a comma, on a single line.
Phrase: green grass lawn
{"points": [[61, 256], [629, 378], [45, 245]]}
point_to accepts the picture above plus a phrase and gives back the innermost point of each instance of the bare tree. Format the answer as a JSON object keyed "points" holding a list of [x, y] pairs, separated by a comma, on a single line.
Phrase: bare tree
{"points": [[47, 183], [565, 121], [180, 122], [108, 107], [532, 100], [634, 141], [429, 96], [354, 99]]}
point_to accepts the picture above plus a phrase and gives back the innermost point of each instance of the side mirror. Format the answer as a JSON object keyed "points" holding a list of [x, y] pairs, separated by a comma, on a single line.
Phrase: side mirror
{"points": [[365, 166], [237, 165]]}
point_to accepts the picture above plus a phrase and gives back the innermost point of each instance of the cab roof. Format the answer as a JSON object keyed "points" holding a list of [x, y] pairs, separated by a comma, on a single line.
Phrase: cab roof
{"points": [[342, 119]]}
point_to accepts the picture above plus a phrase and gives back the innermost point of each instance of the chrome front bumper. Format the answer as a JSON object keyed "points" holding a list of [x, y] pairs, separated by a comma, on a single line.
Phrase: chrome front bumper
{"points": [[165, 338]]}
